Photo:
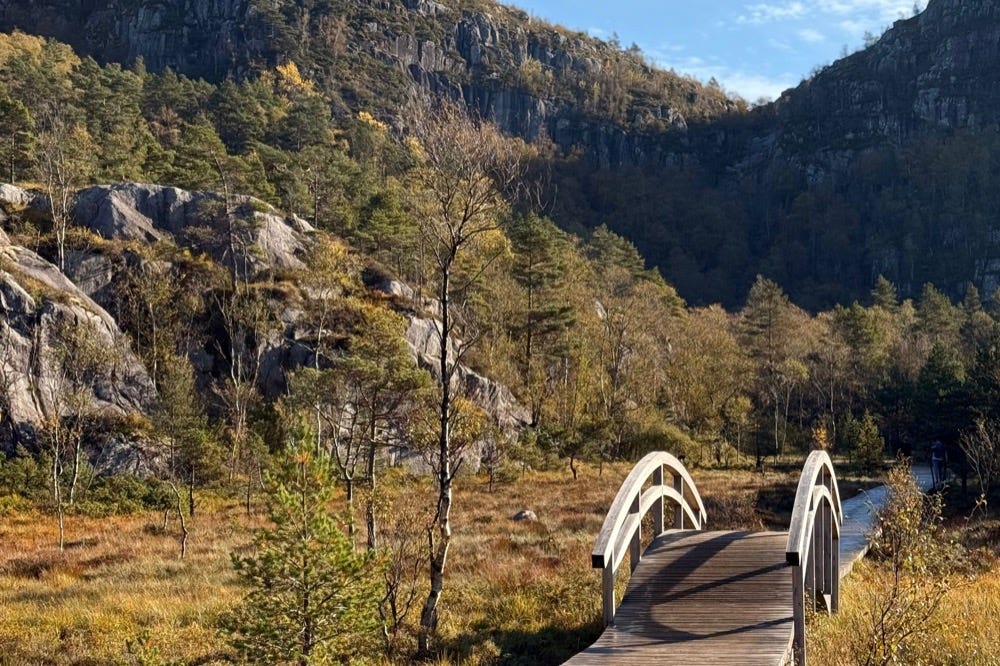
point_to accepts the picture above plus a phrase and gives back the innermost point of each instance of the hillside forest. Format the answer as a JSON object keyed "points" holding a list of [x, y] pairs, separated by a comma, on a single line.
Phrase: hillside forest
{"points": [[441, 224]]}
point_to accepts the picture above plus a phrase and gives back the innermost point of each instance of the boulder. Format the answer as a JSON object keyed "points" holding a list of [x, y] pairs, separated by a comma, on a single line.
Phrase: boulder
{"points": [[253, 238], [36, 301], [423, 341], [524, 516], [15, 196]]}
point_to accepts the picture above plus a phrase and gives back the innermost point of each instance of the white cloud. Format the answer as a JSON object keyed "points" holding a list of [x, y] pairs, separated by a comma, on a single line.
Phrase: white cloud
{"points": [[750, 86], [753, 87], [853, 27], [780, 45], [663, 50], [811, 36], [769, 13], [871, 10], [886, 10]]}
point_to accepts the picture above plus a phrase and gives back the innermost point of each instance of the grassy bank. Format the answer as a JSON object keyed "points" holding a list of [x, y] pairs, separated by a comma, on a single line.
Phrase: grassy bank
{"points": [[517, 592]]}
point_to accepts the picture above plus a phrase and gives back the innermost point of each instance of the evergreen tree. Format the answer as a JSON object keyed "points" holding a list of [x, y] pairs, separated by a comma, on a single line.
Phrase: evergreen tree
{"points": [[311, 599], [17, 137], [869, 445], [884, 294]]}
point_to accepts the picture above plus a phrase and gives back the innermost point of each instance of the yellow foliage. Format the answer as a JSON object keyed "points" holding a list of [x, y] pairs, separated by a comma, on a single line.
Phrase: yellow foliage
{"points": [[291, 80], [373, 122], [20, 44], [821, 438], [61, 58], [416, 150]]}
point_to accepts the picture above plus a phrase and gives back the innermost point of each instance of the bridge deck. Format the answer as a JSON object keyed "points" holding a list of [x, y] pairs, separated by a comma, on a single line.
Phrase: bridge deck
{"points": [[703, 597]]}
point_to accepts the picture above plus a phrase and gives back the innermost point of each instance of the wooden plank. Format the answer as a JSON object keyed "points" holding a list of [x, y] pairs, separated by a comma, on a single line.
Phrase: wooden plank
{"points": [[703, 597]]}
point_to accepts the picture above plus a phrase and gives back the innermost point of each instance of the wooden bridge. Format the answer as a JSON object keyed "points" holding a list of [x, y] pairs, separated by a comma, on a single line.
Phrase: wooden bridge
{"points": [[701, 597]]}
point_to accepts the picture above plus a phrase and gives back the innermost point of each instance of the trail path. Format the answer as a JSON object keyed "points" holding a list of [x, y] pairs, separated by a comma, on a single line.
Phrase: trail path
{"points": [[859, 513]]}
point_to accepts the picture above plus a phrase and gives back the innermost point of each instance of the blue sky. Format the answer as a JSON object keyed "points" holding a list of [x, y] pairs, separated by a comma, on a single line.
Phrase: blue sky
{"points": [[753, 48]]}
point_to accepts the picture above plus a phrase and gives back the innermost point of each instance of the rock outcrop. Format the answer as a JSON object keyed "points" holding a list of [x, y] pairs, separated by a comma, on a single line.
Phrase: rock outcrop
{"points": [[424, 343], [253, 238], [40, 307], [203, 38], [936, 70]]}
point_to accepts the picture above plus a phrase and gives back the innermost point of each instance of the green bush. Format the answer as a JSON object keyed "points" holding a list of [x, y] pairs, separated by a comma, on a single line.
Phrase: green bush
{"points": [[22, 475], [124, 494]]}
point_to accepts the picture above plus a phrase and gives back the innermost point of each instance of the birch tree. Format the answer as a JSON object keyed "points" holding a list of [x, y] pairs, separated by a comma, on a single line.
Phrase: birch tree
{"points": [[464, 169]]}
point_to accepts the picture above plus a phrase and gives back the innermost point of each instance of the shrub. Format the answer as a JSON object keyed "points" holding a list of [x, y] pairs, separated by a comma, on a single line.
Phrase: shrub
{"points": [[917, 562], [24, 476], [869, 446], [124, 494]]}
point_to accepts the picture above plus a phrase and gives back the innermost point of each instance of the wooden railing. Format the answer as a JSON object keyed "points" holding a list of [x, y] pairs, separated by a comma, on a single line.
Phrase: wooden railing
{"points": [[622, 530], [813, 549]]}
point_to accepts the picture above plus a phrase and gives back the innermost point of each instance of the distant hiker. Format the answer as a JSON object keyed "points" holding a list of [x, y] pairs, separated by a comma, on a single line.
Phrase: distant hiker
{"points": [[937, 464]]}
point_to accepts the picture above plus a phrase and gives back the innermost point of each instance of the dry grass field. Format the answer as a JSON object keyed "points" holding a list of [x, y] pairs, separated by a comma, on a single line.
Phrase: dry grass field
{"points": [[963, 632], [516, 593]]}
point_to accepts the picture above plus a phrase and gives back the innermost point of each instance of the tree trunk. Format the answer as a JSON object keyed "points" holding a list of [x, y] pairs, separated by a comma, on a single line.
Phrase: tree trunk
{"points": [[180, 517], [351, 529], [438, 544], [370, 502], [191, 492], [77, 452], [57, 494]]}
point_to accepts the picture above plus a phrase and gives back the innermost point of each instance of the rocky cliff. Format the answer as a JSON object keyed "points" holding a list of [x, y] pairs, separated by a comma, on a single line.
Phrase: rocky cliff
{"points": [[532, 78], [203, 38], [936, 70], [39, 303], [872, 166], [42, 313]]}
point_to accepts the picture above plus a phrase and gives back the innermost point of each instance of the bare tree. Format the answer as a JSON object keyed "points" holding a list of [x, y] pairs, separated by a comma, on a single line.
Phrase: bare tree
{"points": [[65, 160], [79, 358], [981, 446], [249, 322], [464, 169]]}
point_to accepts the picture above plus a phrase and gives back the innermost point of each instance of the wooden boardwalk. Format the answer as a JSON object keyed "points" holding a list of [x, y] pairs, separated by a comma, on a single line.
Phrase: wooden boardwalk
{"points": [[711, 597], [703, 597]]}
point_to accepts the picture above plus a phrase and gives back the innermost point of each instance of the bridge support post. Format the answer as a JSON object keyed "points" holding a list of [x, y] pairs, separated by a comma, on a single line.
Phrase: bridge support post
{"points": [[678, 512], [608, 595], [799, 615], [813, 551], [658, 504], [635, 545]]}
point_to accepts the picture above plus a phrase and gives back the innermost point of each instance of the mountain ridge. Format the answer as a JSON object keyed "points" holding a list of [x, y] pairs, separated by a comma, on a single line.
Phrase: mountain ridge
{"points": [[816, 190]]}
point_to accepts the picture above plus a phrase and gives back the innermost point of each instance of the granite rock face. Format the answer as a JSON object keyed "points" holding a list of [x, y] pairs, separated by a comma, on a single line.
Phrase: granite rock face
{"points": [[936, 70], [202, 38], [37, 302], [261, 238], [424, 343], [469, 55]]}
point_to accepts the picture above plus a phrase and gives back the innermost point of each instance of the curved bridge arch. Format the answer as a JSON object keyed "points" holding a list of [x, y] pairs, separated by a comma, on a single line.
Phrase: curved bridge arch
{"points": [[622, 529], [813, 549]]}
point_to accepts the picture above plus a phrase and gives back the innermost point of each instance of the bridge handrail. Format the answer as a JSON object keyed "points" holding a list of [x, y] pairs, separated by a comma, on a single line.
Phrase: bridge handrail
{"points": [[813, 548], [622, 529]]}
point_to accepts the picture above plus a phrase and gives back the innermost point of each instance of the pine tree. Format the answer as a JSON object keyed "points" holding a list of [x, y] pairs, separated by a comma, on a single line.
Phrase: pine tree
{"points": [[311, 599]]}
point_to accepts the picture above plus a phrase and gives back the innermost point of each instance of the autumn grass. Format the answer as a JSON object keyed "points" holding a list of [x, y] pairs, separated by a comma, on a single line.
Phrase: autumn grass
{"points": [[963, 631], [516, 592], [118, 579]]}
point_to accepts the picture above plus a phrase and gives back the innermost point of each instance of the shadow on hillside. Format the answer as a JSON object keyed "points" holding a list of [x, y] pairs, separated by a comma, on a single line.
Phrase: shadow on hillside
{"points": [[547, 645]]}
